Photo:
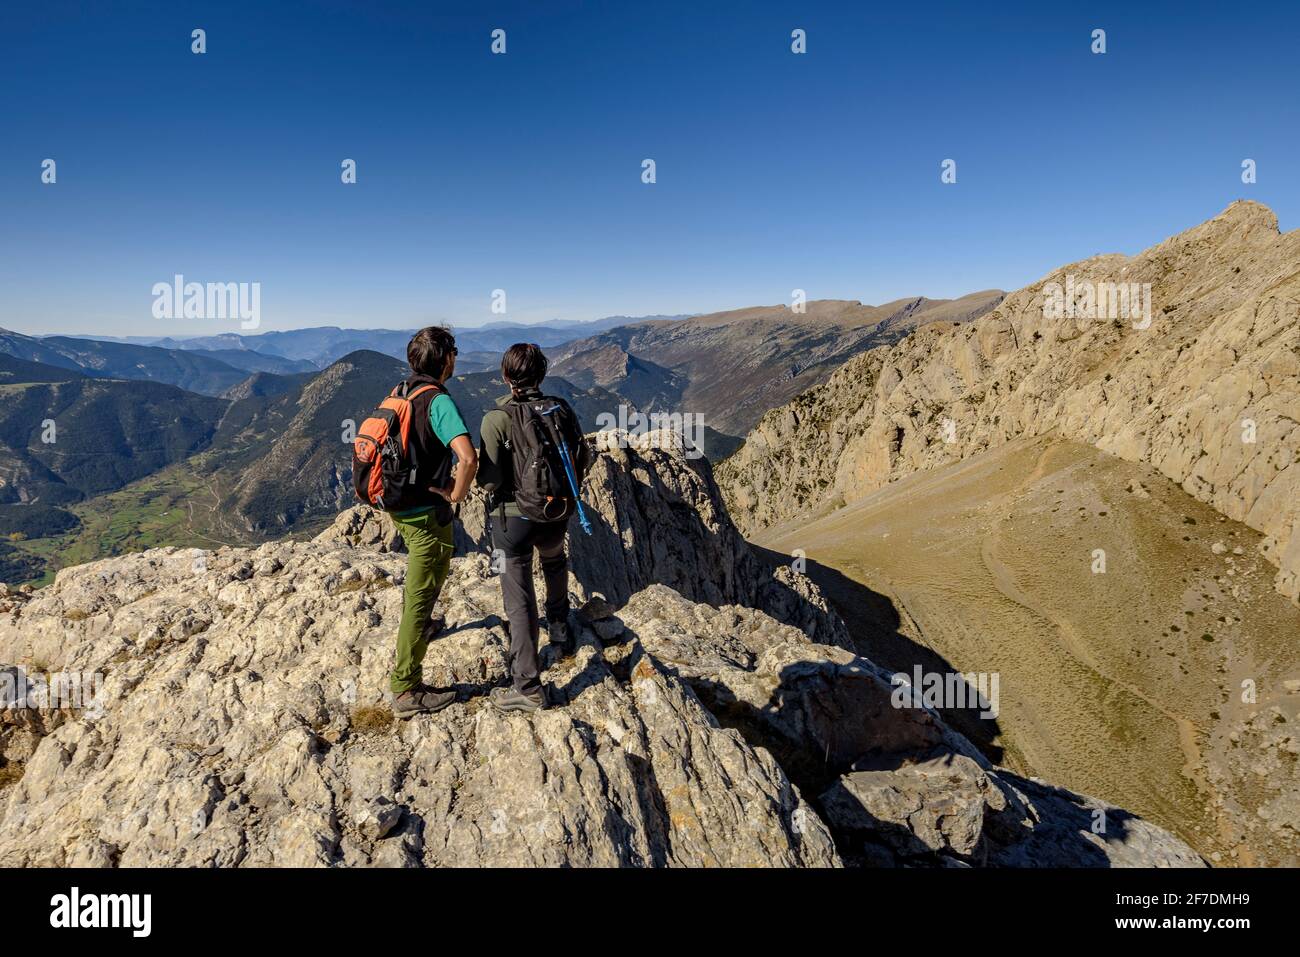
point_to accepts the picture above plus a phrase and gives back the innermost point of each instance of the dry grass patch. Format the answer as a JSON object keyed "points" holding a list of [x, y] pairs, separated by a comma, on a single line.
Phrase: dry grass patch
{"points": [[372, 720]]}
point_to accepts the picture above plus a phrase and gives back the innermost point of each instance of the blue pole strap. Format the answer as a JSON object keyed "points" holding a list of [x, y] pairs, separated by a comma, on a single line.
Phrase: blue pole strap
{"points": [[572, 476]]}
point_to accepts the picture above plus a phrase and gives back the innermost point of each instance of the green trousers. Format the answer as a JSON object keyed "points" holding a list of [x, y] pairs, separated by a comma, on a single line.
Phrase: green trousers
{"points": [[428, 547]]}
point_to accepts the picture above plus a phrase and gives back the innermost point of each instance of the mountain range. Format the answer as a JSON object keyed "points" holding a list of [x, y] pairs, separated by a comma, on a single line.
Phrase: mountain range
{"points": [[234, 438], [731, 367], [319, 346], [205, 372], [1205, 389]]}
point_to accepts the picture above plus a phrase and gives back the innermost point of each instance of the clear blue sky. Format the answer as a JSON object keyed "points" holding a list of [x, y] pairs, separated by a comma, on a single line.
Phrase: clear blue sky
{"points": [[523, 171]]}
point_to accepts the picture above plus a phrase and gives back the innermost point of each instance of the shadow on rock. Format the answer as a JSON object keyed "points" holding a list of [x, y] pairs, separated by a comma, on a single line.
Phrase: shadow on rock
{"points": [[874, 628]]}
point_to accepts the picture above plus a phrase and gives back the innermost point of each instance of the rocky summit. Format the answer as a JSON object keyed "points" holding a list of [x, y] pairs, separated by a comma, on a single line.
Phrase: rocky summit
{"points": [[243, 717], [1184, 357]]}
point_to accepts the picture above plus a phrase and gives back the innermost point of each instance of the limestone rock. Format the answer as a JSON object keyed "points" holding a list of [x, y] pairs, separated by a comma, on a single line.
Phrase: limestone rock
{"points": [[243, 718], [364, 527], [937, 804], [1208, 392], [596, 608], [377, 818], [245, 743], [895, 785]]}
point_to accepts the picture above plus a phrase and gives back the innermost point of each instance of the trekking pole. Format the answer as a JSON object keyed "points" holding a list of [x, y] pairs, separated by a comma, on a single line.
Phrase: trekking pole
{"points": [[572, 476], [573, 483]]}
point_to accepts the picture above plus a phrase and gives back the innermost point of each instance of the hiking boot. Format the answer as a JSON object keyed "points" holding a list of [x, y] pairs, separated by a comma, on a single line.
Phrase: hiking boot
{"points": [[421, 700], [560, 636], [508, 699]]}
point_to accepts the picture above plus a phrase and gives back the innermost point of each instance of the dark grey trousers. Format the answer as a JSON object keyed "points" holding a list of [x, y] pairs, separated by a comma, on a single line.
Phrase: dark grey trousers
{"points": [[517, 537]]}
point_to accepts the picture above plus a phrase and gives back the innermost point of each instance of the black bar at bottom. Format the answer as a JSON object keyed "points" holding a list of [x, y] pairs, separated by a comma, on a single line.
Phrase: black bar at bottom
{"points": [[472, 908]]}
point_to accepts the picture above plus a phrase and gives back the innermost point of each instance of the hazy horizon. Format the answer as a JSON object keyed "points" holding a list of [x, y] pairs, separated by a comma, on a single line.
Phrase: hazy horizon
{"points": [[522, 172], [486, 323]]}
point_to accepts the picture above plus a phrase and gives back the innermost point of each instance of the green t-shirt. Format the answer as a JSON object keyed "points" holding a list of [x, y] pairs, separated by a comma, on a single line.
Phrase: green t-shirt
{"points": [[445, 419], [447, 424]]}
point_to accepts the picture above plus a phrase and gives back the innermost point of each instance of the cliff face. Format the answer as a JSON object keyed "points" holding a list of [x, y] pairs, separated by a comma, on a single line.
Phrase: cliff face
{"points": [[242, 718], [1207, 392]]}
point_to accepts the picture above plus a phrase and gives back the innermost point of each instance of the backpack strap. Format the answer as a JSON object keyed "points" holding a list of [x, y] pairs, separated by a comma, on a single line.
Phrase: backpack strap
{"points": [[403, 390], [420, 390]]}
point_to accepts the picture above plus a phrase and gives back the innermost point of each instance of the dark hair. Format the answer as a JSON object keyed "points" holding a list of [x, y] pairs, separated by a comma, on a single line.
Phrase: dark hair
{"points": [[523, 365], [428, 350]]}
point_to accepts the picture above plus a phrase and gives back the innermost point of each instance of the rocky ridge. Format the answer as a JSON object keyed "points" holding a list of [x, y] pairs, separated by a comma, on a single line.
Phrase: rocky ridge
{"points": [[1208, 393], [243, 721]]}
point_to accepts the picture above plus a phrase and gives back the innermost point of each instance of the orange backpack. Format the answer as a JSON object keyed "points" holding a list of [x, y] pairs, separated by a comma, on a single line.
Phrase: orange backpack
{"points": [[384, 462]]}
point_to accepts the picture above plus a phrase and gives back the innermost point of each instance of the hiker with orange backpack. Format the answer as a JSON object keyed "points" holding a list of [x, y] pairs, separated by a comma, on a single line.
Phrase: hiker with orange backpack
{"points": [[402, 464]]}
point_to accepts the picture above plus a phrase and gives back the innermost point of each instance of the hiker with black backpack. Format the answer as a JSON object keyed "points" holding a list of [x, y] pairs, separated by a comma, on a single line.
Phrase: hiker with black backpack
{"points": [[534, 458], [402, 464]]}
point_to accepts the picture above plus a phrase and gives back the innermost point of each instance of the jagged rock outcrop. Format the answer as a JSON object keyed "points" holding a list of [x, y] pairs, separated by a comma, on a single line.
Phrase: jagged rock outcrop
{"points": [[894, 784], [1208, 393], [239, 714], [242, 721]]}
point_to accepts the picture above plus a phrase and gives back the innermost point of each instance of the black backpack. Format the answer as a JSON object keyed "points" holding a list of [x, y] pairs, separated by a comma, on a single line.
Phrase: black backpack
{"points": [[550, 457]]}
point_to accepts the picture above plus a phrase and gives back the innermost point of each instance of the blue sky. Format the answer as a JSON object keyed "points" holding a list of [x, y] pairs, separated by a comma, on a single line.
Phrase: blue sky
{"points": [[523, 172]]}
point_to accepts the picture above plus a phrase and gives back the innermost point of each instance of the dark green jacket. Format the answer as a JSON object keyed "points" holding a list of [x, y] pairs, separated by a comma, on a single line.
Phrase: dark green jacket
{"points": [[495, 466]]}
